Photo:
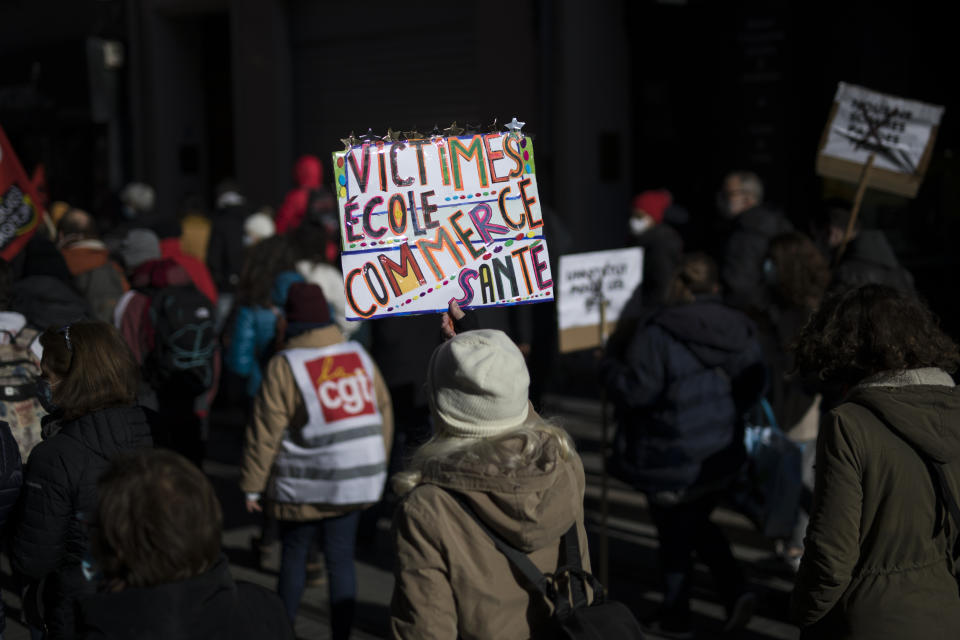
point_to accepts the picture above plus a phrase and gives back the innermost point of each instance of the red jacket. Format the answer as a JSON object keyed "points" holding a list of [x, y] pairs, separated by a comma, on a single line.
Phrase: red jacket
{"points": [[309, 176]]}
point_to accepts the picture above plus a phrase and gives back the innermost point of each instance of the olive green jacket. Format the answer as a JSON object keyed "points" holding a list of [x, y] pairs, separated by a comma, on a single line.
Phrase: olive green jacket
{"points": [[877, 560]]}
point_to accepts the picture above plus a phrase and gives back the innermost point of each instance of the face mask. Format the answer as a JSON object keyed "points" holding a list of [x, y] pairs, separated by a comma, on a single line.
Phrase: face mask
{"points": [[45, 396], [639, 225]]}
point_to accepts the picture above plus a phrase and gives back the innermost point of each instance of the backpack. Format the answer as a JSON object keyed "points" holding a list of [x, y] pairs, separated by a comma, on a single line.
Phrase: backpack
{"points": [[184, 340], [19, 372], [11, 472], [573, 617]]}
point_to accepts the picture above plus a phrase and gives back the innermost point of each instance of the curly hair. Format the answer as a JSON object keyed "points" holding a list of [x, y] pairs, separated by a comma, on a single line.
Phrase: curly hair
{"points": [[874, 328], [802, 272]]}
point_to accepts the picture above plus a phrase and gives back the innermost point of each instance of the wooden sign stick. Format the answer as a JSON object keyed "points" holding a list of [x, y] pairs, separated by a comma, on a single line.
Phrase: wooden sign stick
{"points": [[604, 439], [861, 187]]}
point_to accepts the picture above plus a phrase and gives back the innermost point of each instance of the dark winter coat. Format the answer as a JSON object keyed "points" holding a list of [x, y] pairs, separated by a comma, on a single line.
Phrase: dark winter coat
{"points": [[47, 301], [743, 255], [688, 375], [876, 559], [225, 252], [662, 253], [11, 475], [59, 495], [869, 259], [211, 606]]}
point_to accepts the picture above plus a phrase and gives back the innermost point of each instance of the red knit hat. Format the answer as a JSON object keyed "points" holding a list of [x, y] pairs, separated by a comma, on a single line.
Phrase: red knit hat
{"points": [[306, 304], [653, 203]]}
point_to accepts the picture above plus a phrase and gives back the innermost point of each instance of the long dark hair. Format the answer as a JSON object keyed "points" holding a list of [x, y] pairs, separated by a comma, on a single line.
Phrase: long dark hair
{"points": [[94, 367], [263, 262]]}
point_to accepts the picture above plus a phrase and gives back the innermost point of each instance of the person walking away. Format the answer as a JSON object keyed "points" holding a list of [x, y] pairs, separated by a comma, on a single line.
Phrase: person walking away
{"points": [[520, 476], [690, 373], [867, 258], [753, 226], [309, 193], [797, 276], [317, 443], [154, 578], [881, 552], [98, 278], [89, 386], [226, 249]]}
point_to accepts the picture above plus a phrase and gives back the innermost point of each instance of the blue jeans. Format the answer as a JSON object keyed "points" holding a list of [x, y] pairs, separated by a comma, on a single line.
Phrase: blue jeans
{"points": [[339, 537]]}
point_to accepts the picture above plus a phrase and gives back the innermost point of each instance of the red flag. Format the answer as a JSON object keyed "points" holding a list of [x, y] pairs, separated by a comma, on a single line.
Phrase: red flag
{"points": [[19, 202]]}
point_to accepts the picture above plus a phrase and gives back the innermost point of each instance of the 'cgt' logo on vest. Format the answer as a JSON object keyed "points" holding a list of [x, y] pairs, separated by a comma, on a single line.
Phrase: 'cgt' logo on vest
{"points": [[344, 388]]}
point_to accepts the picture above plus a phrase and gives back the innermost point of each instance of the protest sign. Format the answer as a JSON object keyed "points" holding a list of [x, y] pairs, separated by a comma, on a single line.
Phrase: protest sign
{"points": [[19, 209], [897, 132], [429, 220], [617, 273]]}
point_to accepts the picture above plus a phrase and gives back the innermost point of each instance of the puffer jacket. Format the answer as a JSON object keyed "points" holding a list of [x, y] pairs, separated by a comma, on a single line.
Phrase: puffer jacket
{"points": [[279, 406], [254, 332], [451, 581], [59, 496], [876, 562], [688, 375]]}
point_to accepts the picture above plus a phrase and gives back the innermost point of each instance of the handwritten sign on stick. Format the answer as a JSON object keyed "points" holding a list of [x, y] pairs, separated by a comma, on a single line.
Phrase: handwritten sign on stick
{"points": [[900, 133], [617, 273], [427, 221]]}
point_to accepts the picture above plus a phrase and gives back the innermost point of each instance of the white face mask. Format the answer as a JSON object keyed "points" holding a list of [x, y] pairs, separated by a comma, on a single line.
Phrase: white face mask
{"points": [[640, 224]]}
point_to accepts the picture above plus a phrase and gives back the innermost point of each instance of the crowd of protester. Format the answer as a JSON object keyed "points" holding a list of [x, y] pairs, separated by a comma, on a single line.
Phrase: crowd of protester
{"points": [[118, 336]]}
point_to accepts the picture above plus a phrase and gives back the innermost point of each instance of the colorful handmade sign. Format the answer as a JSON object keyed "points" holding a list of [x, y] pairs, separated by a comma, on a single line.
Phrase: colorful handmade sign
{"points": [[19, 209], [425, 221]]}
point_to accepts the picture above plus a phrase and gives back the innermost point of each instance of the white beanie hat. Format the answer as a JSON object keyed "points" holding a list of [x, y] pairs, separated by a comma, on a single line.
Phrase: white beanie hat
{"points": [[259, 226], [477, 383]]}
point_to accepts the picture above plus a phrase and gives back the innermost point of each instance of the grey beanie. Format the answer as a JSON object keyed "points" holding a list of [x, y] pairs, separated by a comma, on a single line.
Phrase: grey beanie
{"points": [[138, 247], [477, 384]]}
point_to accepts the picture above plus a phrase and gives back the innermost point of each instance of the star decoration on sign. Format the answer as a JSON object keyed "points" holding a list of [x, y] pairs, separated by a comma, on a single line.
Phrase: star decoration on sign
{"points": [[413, 135], [493, 127], [392, 136], [514, 125], [453, 130], [348, 142], [472, 128], [369, 136]]}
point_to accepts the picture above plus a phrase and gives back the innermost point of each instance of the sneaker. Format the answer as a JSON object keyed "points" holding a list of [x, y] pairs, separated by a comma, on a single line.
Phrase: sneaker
{"points": [[741, 612], [665, 629]]}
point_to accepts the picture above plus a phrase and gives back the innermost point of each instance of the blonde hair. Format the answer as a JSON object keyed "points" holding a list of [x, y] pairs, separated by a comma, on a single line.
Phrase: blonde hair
{"points": [[498, 455]]}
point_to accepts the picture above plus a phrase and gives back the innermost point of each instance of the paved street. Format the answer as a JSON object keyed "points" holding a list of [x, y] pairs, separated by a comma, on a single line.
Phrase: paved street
{"points": [[631, 540]]}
